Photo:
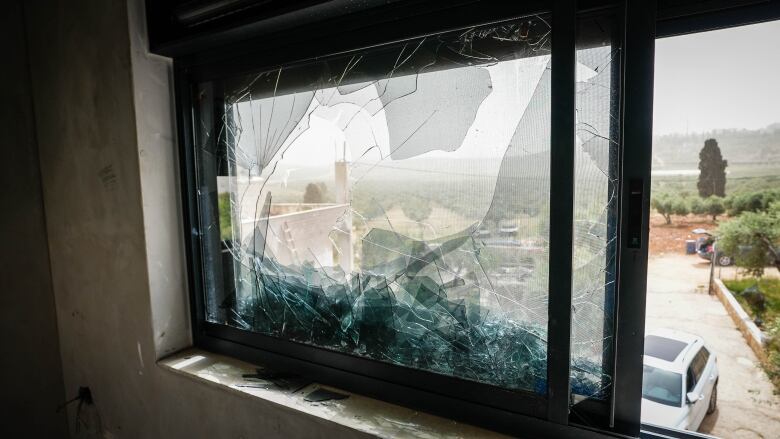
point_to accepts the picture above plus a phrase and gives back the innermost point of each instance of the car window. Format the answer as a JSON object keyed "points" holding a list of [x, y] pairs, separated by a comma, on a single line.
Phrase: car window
{"points": [[697, 368], [699, 363], [661, 386], [705, 356], [690, 379]]}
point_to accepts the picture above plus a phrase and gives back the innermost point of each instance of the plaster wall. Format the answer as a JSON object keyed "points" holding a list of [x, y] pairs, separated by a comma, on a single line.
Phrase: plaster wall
{"points": [[110, 188], [30, 372]]}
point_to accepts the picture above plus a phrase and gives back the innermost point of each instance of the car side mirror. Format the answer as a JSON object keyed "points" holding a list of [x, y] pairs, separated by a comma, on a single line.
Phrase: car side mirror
{"points": [[693, 397]]}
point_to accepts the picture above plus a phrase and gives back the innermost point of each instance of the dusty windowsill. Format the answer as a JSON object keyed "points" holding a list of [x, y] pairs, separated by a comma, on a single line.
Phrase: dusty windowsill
{"points": [[356, 412]]}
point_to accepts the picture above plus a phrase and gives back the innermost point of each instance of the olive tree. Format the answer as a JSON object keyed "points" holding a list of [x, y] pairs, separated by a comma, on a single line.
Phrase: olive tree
{"points": [[757, 201], [668, 205], [663, 205], [714, 206], [680, 206], [753, 239], [698, 207]]}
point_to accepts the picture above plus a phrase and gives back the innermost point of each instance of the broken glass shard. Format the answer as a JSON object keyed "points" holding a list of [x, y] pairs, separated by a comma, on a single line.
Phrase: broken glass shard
{"points": [[392, 204]]}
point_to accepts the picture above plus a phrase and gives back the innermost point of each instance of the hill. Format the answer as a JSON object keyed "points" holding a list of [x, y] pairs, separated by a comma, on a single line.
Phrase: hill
{"points": [[741, 146]]}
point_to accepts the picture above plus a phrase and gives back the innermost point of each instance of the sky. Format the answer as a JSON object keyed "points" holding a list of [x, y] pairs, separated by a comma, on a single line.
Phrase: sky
{"points": [[713, 80], [718, 80], [511, 85], [317, 141]]}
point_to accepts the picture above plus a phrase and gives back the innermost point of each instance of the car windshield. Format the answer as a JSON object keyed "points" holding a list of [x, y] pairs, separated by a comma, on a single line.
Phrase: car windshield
{"points": [[662, 386]]}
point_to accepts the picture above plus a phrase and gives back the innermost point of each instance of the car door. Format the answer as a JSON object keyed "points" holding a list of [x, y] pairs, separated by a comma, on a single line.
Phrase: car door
{"points": [[700, 387], [708, 373], [690, 387]]}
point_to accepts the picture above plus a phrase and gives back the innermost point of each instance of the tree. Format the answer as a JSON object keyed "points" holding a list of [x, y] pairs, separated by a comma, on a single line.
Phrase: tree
{"points": [[680, 206], [714, 206], [668, 205], [315, 193], [663, 205], [698, 206], [757, 201], [753, 238], [224, 205], [712, 167]]}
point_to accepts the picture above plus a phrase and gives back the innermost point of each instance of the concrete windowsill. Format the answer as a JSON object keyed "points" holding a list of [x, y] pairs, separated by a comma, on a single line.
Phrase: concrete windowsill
{"points": [[359, 413]]}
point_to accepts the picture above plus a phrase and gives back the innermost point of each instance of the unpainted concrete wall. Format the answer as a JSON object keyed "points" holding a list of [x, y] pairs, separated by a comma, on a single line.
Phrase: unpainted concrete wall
{"points": [[108, 166]]}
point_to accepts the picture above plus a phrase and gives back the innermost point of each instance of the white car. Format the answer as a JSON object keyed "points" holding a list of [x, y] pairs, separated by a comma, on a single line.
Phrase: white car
{"points": [[679, 380]]}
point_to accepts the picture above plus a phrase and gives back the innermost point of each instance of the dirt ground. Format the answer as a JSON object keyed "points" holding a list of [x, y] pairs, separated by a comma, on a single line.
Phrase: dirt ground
{"points": [[677, 298], [670, 238]]}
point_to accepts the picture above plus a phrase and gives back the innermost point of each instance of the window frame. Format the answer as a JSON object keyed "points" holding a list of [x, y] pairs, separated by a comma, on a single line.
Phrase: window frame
{"points": [[500, 409]]}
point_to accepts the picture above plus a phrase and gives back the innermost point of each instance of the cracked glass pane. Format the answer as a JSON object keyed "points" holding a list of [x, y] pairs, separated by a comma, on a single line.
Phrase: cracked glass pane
{"points": [[390, 204], [595, 212]]}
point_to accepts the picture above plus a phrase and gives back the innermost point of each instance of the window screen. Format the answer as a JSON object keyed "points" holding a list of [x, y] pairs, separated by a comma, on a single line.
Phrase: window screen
{"points": [[595, 207]]}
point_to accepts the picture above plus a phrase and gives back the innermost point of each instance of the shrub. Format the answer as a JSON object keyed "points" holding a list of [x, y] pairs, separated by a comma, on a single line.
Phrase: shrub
{"points": [[773, 351], [757, 201], [752, 238]]}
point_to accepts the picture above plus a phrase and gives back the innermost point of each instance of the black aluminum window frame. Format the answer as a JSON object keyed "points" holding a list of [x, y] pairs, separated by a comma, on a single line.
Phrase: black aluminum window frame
{"points": [[512, 412]]}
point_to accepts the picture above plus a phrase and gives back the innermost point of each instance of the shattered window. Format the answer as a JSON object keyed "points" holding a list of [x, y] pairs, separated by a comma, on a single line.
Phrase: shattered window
{"points": [[595, 212], [393, 204]]}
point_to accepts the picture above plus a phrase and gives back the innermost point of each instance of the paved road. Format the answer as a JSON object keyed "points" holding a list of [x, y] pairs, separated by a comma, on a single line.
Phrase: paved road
{"points": [[677, 299]]}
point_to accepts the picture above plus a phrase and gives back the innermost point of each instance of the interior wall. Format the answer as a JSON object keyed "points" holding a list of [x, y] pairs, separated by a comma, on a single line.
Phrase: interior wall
{"points": [[108, 169], [30, 370]]}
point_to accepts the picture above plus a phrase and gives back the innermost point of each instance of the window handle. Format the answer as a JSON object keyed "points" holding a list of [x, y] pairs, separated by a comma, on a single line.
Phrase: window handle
{"points": [[635, 199]]}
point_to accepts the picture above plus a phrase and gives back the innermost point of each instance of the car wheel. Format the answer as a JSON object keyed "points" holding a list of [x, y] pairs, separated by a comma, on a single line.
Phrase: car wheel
{"points": [[725, 261], [713, 400]]}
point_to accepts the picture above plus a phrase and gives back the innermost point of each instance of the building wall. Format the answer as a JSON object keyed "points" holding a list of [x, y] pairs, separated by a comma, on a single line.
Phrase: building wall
{"points": [[30, 371], [110, 189]]}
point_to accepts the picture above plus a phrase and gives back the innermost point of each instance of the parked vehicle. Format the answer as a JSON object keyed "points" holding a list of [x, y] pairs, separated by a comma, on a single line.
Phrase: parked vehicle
{"points": [[705, 245], [679, 380]]}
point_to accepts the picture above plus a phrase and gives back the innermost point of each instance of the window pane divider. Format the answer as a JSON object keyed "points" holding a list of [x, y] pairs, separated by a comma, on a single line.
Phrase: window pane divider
{"points": [[636, 148], [562, 148]]}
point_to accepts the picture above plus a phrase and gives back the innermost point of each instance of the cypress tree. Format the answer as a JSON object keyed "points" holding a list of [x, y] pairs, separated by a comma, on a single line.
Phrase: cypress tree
{"points": [[712, 178]]}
